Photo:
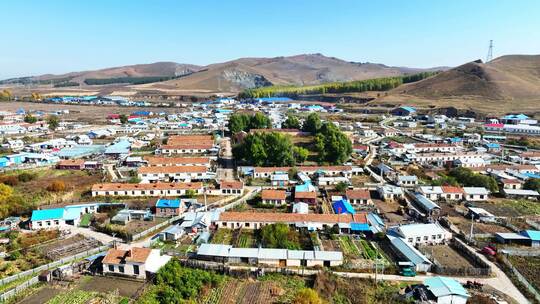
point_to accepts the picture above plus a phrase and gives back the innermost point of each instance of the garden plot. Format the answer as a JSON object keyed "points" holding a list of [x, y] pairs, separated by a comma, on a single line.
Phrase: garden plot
{"points": [[69, 246], [126, 288], [222, 236], [349, 247], [246, 239], [478, 228], [447, 256], [529, 267]]}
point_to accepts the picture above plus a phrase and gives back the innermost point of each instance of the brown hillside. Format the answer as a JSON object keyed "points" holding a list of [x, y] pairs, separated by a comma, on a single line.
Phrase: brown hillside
{"points": [[508, 77]]}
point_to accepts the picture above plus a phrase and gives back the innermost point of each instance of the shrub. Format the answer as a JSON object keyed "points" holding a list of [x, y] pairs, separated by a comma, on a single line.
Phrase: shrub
{"points": [[56, 186], [9, 180], [26, 177]]}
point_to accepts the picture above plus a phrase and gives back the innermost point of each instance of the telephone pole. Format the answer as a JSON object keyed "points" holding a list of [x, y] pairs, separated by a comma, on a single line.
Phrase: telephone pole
{"points": [[489, 56]]}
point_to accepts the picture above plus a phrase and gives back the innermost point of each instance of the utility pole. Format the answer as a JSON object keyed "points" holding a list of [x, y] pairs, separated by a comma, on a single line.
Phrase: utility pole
{"points": [[489, 56], [472, 224]]}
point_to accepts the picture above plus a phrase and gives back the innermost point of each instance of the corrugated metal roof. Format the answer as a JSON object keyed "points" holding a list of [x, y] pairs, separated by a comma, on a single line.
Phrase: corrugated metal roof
{"points": [[532, 234], [410, 253], [442, 286], [48, 214]]}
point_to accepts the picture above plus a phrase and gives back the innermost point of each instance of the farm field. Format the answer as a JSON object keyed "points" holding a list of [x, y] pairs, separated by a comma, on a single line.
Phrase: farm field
{"points": [[246, 239], [529, 267], [510, 208], [478, 228], [447, 256]]}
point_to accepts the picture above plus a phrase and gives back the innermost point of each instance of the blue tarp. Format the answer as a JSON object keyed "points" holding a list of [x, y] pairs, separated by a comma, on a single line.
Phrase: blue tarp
{"points": [[343, 206], [360, 227]]}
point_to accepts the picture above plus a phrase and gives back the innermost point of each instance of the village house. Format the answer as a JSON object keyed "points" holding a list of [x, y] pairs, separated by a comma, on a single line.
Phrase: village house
{"points": [[156, 161], [359, 197], [425, 234], [312, 221], [390, 192], [511, 183], [169, 207], [431, 192], [273, 197], [187, 148], [476, 193], [407, 181], [279, 179], [58, 218], [266, 172], [174, 173], [452, 193], [134, 262], [71, 164], [140, 190], [231, 187]]}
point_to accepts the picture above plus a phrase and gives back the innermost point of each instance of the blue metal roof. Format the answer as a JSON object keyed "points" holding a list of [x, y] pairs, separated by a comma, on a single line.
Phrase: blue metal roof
{"points": [[168, 203], [408, 108], [343, 206], [47, 214], [534, 235], [442, 286], [493, 145], [72, 213], [360, 227], [121, 147]]}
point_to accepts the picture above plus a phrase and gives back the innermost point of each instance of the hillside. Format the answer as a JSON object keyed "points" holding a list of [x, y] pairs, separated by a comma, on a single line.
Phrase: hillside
{"points": [[308, 69], [504, 84], [508, 77], [158, 69], [231, 76]]}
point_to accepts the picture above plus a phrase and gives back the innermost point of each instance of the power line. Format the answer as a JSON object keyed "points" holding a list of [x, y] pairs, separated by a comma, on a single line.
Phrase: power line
{"points": [[489, 56]]}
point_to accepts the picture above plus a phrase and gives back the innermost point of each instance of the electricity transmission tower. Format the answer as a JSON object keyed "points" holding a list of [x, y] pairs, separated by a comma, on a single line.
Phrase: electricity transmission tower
{"points": [[489, 56]]}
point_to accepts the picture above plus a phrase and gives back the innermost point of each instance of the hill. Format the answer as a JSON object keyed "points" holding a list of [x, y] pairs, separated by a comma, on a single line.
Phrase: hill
{"points": [[231, 76], [507, 77], [307, 69], [504, 84], [158, 69]]}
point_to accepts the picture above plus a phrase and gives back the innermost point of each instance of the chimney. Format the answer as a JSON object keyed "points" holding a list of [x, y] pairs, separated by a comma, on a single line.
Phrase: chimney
{"points": [[128, 253]]}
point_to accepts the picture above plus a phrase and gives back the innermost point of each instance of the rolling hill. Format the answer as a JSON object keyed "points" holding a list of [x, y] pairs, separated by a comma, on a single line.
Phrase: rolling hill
{"points": [[505, 84], [231, 76], [507, 77]]}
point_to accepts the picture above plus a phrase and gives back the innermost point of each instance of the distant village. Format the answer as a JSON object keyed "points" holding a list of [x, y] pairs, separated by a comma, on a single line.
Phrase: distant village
{"points": [[446, 201]]}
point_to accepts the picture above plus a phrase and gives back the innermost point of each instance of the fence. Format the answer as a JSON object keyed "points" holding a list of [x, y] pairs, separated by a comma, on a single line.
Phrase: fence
{"points": [[481, 267], [521, 278], [521, 252], [54, 264], [10, 293], [139, 235]]}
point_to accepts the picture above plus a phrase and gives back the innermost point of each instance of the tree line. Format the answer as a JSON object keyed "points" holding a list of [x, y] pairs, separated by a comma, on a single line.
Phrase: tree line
{"points": [[130, 80], [269, 149], [377, 84]]}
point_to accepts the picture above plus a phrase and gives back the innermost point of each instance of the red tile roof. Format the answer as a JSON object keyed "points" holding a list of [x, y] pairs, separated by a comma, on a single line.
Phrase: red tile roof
{"points": [[154, 160], [173, 169], [231, 184], [452, 189], [291, 217], [273, 194], [155, 186], [134, 255], [358, 194]]}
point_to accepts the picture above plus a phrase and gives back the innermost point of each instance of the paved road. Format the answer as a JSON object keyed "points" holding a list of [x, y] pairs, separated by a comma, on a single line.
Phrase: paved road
{"points": [[102, 237]]}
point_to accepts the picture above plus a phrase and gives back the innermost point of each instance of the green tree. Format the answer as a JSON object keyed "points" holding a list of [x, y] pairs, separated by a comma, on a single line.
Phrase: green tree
{"points": [[260, 121], [341, 187], [292, 122], [468, 178], [532, 184], [265, 149], [238, 122], [123, 119], [279, 235], [300, 154], [53, 122], [312, 123], [30, 119], [332, 145]]}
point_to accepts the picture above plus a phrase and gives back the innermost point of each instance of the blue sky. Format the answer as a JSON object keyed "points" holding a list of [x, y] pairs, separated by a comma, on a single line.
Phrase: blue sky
{"points": [[58, 36]]}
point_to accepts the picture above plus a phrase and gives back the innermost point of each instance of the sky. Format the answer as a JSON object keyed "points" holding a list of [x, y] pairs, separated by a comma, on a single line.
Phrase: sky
{"points": [[57, 36]]}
